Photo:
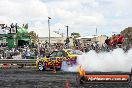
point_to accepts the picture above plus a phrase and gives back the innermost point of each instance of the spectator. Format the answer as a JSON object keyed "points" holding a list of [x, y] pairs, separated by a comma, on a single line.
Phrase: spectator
{"points": [[92, 46], [88, 47], [107, 41], [8, 54], [1, 57], [42, 52], [114, 37], [120, 40], [27, 53]]}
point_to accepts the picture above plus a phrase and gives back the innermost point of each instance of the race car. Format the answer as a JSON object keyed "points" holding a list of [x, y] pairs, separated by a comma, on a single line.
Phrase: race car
{"points": [[55, 59]]}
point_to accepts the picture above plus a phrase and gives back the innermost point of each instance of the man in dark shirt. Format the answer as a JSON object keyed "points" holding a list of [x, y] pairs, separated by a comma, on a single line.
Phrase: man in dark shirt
{"points": [[107, 41]]}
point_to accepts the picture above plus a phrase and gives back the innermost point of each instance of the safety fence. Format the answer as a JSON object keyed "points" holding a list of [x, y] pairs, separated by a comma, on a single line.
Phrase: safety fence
{"points": [[19, 61], [9, 63]]}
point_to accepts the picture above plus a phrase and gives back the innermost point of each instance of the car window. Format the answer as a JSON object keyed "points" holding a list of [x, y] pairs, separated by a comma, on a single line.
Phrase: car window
{"points": [[71, 52], [59, 54], [78, 52], [65, 54], [62, 54], [53, 54]]}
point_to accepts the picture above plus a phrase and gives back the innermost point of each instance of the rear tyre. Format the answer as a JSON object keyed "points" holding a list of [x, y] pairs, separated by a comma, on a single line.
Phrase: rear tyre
{"points": [[41, 66]]}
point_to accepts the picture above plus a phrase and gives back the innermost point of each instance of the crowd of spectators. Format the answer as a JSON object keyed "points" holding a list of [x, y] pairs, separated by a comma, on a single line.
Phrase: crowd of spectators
{"points": [[27, 52], [14, 53], [116, 41], [40, 50]]}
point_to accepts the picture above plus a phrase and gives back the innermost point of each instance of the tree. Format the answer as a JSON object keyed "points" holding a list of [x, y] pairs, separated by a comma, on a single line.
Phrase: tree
{"points": [[34, 37], [26, 26], [75, 35], [127, 33]]}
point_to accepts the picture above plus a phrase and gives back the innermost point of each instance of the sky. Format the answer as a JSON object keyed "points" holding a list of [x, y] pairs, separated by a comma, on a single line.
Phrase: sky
{"points": [[82, 16]]}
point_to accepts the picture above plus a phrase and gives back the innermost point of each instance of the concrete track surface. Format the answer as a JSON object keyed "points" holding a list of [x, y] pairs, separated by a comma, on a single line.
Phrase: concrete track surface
{"points": [[32, 78]]}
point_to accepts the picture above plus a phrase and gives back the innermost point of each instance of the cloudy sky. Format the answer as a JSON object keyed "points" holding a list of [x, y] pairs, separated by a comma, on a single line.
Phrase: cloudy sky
{"points": [[82, 16]]}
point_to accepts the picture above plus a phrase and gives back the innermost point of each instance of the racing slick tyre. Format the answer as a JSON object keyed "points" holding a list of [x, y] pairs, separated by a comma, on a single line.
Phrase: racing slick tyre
{"points": [[41, 66]]}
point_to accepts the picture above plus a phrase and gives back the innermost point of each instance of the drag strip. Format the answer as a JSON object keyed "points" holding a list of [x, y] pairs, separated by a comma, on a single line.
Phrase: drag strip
{"points": [[32, 78]]}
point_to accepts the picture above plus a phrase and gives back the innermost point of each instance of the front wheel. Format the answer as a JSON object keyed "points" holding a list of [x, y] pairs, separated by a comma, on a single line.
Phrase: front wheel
{"points": [[41, 66]]}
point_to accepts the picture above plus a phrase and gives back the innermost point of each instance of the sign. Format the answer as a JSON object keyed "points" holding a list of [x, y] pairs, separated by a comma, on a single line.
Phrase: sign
{"points": [[7, 30], [13, 30], [107, 78]]}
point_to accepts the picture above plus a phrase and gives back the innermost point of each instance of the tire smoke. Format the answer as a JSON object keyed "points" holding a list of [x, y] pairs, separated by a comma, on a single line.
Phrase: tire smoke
{"points": [[116, 60]]}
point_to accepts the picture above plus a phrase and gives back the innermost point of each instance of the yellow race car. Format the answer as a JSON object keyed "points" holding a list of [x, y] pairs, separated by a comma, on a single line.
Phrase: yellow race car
{"points": [[55, 59]]}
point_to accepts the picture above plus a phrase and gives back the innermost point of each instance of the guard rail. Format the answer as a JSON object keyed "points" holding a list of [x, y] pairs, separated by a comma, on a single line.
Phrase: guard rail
{"points": [[18, 61]]}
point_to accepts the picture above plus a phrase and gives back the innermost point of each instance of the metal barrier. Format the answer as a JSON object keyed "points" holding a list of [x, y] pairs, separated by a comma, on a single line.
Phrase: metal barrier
{"points": [[18, 61]]}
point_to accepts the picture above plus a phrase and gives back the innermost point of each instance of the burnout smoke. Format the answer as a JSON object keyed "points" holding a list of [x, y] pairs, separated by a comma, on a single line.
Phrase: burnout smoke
{"points": [[116, 60]]}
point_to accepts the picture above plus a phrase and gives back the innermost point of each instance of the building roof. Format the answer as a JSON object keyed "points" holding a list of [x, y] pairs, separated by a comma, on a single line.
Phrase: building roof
{"points": [[84, 37]]}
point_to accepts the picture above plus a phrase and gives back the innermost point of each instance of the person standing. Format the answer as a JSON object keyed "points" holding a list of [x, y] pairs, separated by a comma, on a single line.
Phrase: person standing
{"points": [[42, 52], [120, 40], [114, 42], [28, 53]]}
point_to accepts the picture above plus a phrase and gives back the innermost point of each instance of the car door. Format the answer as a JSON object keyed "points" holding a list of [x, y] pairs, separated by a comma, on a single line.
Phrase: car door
{"points": [[49, 61], [58, 59], [60, 56]]}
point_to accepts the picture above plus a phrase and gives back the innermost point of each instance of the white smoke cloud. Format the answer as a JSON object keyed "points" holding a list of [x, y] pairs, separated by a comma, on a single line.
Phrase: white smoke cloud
{"points": [[116, 60]]}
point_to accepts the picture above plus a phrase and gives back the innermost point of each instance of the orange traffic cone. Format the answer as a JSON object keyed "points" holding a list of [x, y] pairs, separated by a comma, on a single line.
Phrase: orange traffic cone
{"points": [[67, 85], [54, 70]]}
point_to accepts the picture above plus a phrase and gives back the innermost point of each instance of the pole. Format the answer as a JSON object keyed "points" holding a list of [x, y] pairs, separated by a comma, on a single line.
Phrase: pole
{"points": [[49, 29], [67, 38], [96, 31], [67, 30]]}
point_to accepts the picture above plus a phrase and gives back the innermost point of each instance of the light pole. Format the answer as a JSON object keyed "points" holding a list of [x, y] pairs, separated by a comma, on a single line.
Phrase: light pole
{"points": [[49, 28], [67, 30], [67, 39]]}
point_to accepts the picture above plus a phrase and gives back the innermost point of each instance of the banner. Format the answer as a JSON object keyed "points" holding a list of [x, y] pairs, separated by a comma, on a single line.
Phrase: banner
{"points": [[13, 30]]}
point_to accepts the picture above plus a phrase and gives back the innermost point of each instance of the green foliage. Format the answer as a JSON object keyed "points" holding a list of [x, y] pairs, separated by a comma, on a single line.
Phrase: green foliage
{"points": [[74, 34], [34, 37], [127, 33]]}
